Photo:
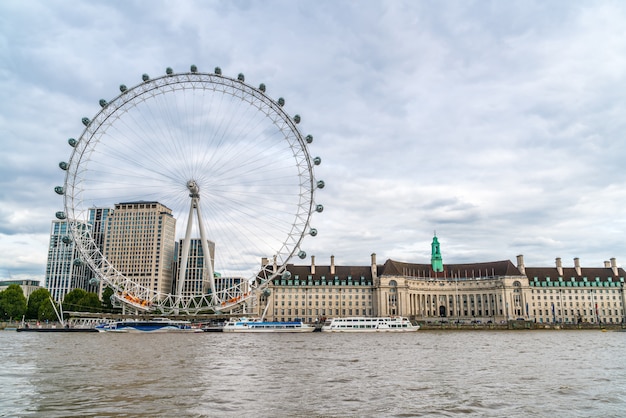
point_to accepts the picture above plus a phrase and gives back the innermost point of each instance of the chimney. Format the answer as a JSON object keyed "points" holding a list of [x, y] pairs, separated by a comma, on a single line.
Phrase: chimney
{"points": [[332, 264], [577, 266], [520, 264], [264, 261], [607, 264], [374, 268], [559, 266], [312, 264], [274, 265], [614, 266]]}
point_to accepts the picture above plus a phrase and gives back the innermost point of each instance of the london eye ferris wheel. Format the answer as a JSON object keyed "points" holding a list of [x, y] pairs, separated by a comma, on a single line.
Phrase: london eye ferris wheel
{"points": [[224, 157]]}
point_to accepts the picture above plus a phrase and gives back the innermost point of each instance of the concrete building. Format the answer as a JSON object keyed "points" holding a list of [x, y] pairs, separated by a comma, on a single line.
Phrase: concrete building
{"points": [[140, 243], [28, 286], [64, 269]]}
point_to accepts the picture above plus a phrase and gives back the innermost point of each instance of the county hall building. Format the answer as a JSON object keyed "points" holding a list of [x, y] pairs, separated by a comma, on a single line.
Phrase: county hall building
{"points": [[491, 292]]}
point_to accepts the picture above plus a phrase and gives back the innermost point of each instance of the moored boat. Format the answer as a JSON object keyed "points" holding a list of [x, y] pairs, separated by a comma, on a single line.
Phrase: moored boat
{"points": [[364, 324], [156, 325], [255, 325], [52, 329]]}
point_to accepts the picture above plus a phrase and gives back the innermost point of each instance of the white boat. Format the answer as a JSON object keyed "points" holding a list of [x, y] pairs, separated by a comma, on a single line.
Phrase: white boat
{"points": [[156, 325], [256, 325], [364, 324]]}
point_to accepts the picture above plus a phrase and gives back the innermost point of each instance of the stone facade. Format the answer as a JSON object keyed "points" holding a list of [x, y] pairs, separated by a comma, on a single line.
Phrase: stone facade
{"points": [[493, 292]]}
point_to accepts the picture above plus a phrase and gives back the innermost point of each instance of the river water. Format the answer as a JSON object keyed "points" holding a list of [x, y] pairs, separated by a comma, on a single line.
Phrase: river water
{"points": [[427, 373]]}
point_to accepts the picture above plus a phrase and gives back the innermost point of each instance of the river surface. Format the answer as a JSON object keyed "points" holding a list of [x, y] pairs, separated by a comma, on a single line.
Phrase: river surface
{"points": [[427, 373]]}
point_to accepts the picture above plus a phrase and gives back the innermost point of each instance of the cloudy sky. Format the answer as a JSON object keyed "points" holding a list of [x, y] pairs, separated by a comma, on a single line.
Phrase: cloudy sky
{"points": [[499, 125]]}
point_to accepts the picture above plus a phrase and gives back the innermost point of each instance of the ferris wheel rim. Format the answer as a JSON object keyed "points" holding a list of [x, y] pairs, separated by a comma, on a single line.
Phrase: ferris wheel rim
{"points": [[170, 83]]}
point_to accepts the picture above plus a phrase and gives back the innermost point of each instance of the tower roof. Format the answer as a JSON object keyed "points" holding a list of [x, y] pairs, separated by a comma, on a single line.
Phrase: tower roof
{"points": [[492, 268]]}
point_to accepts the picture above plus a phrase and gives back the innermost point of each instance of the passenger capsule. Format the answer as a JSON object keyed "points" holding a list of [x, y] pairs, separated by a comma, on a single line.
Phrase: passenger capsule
{"points": [[63, 165], [66, 239], [302, 255], [193, 69], [169, 71], [266, 292], [320, 184], [241, 77], [123, 88], [218, 71], [262, 87], [78, 262], [86, 121], [103, 103], [296, 119], [317, 160], [145, 77], [59, 190], [313, 232], [281, 101], [309, 139], [94, 281], [286, 275], [319, 208], [60, 215], [72, 142]]}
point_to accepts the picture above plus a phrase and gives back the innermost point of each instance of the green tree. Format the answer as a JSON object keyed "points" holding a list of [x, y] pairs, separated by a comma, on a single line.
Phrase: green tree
{"points": [[34, 302], [12, 302], [46, 311], [106, 299], [79, 300]]}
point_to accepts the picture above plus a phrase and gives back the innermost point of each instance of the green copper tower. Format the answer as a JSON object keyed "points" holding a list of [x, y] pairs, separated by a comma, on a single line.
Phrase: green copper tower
{"points": [[435, 256]]}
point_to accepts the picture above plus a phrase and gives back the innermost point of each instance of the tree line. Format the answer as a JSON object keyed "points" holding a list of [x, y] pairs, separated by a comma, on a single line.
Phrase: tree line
{"points": [[38, 306]]}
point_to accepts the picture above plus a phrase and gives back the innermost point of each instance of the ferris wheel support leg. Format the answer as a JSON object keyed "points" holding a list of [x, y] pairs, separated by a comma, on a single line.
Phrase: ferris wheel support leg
{"points": [[207, 272], [182, 268]]}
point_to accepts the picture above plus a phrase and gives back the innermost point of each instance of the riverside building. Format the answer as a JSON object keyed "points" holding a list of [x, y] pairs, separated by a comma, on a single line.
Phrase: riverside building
{"points": [[64, 270], [140, 243], [491, 292]]}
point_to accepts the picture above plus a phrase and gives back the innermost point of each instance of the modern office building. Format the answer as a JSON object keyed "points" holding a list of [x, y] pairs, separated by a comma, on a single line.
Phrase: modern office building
{"points": [[193, 284], [98, 227], [98, 223], [64, 269], [491, 292], [140, 238]]}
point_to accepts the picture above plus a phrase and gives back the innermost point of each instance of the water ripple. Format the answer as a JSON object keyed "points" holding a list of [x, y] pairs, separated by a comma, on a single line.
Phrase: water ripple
{"points": [[446, 374]]}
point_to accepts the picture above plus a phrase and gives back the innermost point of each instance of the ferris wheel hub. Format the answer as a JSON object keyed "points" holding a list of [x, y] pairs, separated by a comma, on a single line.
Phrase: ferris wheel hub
{"points": [[194, 189]]}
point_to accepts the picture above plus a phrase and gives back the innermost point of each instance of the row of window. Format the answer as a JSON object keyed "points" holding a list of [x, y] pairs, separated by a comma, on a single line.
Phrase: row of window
{"points": [[317, 303], [303, 296], [558, 304], [322, 290], [299, 313]]}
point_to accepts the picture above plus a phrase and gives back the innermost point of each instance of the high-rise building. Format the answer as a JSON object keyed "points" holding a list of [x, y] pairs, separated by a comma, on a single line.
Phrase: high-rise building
{"points": [[64, 269], [98, 223], [140, 243], [193, 284]]}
